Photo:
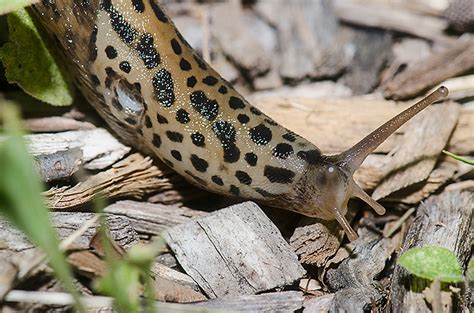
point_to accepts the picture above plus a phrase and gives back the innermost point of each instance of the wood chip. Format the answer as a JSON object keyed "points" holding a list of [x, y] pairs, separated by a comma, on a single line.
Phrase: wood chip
{"points": [[354, 278], [237, 37], [443, 221], [65, 224], [308, 36], [53, 124], [58, 165], [99, 148], [427, 73], [284, 301], [235, 251], [133, 177], [387, 17], [315, 242], [416, 153], [152, 219]]}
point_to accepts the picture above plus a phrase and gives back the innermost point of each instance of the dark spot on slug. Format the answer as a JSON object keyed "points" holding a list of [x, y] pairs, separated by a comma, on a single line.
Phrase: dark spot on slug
{"points": [[138, 5], [176, 46], [125, 67], [222, 89], [158, 11], [164, 87], [260, 134], [251, 158], [226, 133], [290, 136], [156, 140], [282, 150], [255, 111], [111, 52], [203, 105], [191, 82], [200, 62], [198, 139], [278, 174], [92, 44], [217, 180], [174, 136], [243, 177], [147, 52], [176, 154], [168, 162], [236, 103], [161, 119], [243, 118], [210, 80], [182, 116], [310, 156], [123, 29], [148, 123], [184, 65], [199, 164]]}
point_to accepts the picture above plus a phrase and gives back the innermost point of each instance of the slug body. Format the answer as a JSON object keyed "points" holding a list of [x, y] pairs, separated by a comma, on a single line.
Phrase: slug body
{"points": [[158, 95]]}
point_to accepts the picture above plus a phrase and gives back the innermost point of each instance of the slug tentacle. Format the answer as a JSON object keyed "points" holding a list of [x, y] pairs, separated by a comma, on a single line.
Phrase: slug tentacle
{"points": [[353, 158]]}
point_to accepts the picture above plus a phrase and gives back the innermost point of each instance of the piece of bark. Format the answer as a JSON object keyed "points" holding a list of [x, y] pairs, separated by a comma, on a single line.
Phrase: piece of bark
{"points": [[132, 177], [58, 165], [235, 251], [405, 52], [463, 136], [315, 242], [99, 148], [150, 218], [65, 224], [284, 301], [426, 73], [372, 50], [308, 36], [354, 279], [236, 37], [53, 124], [445, 221], [318, 304], [442, 173], [413, 159], [387, 17]]}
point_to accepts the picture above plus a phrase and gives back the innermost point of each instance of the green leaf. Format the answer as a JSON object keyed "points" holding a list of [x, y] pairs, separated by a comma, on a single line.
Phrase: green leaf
{"points": [[459, 158], [7, 6], [21, 201], [30, 64], [432, 263], [121, 281]]}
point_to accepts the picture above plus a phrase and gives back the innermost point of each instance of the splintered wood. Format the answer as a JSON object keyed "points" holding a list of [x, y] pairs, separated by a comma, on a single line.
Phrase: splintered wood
{"points": [[235, 251], [133, 177]]}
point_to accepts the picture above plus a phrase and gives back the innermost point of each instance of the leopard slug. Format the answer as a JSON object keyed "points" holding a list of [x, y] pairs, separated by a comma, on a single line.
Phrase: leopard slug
{"points": [[157, 94]]}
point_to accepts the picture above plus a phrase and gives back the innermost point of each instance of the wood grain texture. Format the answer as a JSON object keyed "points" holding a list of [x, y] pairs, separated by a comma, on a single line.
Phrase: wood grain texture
{"points": [[150, 218], [235, 251], [354, 278], [426, 73]]}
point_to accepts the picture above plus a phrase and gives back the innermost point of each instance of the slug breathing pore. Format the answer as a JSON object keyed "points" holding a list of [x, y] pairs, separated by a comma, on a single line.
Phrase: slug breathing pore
{"points": [[158, 95]]}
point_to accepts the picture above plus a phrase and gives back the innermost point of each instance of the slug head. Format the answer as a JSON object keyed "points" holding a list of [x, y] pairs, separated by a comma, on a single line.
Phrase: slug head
{"points": [[331, 179]]}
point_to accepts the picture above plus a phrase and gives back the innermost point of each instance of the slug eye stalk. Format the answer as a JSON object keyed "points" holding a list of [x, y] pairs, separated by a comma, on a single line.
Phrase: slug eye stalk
{"points": [[349, 161]]}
